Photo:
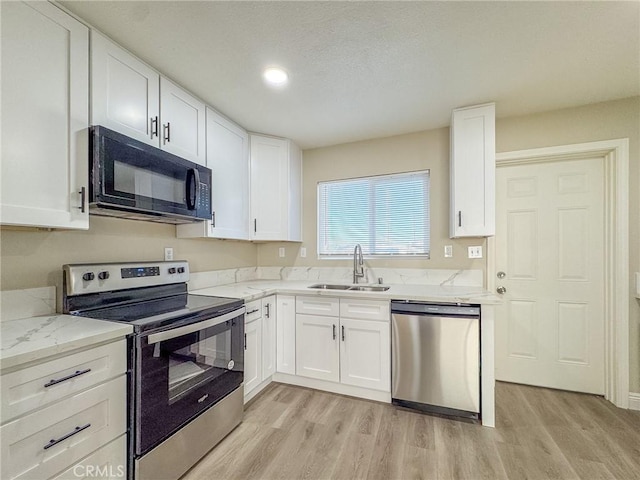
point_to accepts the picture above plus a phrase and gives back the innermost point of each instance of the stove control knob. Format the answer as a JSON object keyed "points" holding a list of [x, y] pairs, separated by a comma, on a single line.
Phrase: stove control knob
{"points": [[103, 275], [172, 270], [180, 269], [87, 277]]}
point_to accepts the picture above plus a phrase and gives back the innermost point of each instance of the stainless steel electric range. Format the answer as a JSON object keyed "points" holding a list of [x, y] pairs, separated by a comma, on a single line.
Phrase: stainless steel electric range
{"points": [[186, 358]]}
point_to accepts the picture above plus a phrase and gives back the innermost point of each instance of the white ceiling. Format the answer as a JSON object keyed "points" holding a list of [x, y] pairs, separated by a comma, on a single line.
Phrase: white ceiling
{"points": [[361, 70]]}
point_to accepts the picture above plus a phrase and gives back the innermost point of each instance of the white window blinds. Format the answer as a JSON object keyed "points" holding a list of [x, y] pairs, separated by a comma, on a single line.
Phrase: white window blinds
{"points": [[386, 215]]}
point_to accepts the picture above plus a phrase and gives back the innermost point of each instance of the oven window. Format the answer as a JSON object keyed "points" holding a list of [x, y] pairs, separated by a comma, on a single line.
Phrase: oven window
{"points": [[206, 358]]}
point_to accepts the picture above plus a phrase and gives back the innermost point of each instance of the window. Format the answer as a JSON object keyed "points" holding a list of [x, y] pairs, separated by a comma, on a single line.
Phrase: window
{"points": [[386, 215]]}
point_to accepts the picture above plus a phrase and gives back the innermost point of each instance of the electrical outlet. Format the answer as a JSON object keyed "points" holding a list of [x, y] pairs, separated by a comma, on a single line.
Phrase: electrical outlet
{"points": [[475, 252], [281, 252], [448, 251], [168, 254], [303, 252]]}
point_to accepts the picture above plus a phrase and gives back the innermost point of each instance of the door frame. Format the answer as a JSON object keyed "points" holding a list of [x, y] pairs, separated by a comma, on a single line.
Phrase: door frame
{"points": [[615, 154]]}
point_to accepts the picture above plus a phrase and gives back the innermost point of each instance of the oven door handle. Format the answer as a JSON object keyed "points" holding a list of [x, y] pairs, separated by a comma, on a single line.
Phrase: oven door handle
{"points": [[194, 327]]}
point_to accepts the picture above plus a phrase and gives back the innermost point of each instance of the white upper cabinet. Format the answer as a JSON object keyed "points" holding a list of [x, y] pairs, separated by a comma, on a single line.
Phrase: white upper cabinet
{"points": [[130, 97], [45, 115], [276, 189], [124, 92], [473, 165], [228, 158], [182, 118]]}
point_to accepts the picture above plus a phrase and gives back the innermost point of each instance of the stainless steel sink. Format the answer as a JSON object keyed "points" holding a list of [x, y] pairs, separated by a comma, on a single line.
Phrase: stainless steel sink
{"points": [[359, 288], [329, 286], [369, 288]]}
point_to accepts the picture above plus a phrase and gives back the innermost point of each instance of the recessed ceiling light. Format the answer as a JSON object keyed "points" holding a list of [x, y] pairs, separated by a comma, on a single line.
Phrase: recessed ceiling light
{"points": [[275, 76]]}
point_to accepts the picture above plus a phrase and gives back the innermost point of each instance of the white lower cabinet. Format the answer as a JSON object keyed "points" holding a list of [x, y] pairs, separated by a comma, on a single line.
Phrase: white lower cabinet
{"points": [[352, 351], [268, 336], [108, 462], [260, 343], [252, 355], [286, 334], [62, 410], [365, 354], [51, 439], [317, 349]]}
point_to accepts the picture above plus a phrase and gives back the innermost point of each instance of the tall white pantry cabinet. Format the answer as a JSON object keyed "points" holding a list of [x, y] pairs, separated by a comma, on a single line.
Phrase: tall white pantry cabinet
{"points": [[45, 116]]}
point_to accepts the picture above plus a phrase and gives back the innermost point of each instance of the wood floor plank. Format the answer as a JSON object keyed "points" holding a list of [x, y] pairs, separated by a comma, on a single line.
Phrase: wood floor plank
{"points": [[296, 433]]}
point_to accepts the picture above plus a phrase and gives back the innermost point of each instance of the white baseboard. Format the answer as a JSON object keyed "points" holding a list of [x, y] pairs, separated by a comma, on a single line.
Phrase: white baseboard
{"points": [[333, 387], [634, 401]]}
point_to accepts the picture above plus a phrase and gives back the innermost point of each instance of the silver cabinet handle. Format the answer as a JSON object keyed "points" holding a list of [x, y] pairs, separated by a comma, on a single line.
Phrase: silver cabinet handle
{"points": [[342, 332], [268, 310], [167, 132], [253, 311], [334, 331], [83, 198], [154, 126], [68, 377], [55, 441], [501, 290], [459, 218]]}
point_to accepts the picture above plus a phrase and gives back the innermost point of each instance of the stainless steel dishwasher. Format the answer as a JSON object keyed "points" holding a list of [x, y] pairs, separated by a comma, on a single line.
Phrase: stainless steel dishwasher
{"points": [[435, 357]]}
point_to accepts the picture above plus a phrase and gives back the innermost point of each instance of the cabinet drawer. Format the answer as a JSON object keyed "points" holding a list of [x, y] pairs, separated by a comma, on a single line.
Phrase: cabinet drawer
{"points": [[254, 311], [39, 385], [107, 462], [52, 439], [318, 306], [365, 309]]}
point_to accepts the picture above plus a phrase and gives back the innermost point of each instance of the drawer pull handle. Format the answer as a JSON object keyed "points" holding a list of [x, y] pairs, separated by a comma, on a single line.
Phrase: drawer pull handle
{"points": [[253, 311], [53, 442], [68, 377]]}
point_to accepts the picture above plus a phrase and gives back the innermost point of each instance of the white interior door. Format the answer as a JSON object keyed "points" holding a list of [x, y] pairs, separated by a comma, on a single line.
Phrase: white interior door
{"points": [[550, 245]]}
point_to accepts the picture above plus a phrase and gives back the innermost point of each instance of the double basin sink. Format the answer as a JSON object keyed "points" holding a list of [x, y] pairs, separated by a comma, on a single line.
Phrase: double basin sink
{"points": [[352, 288]]}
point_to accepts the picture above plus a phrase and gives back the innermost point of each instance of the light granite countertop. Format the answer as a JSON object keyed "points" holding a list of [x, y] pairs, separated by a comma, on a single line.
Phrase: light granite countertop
{"points": [[28, 339], [251, 290]]}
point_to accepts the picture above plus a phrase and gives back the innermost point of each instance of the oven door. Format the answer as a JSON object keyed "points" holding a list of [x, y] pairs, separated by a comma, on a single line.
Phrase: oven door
{"points": [[182, 372], [130, 174]]}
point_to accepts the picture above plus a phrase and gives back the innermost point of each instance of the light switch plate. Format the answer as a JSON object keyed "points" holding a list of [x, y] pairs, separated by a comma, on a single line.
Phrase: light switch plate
{"points": [[168, 254], [281, 252], [303, 252], [475, 252], [448, 251]]}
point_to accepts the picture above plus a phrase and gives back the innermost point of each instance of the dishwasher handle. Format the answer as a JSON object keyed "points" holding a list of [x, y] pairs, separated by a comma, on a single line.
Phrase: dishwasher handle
{"points": [[422, 308]]}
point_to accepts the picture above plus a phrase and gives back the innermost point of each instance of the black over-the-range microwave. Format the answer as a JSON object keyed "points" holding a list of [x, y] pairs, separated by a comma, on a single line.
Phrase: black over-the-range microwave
{"points": [[130, 179]]}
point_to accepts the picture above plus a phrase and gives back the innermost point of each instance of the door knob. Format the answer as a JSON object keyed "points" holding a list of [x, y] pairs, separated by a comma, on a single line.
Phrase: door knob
{"points": [[501, 275], [501, 290]]}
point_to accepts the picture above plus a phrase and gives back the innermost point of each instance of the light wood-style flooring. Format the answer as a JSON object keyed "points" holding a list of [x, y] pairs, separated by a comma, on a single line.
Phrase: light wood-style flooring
{"points": [[296, 433]]}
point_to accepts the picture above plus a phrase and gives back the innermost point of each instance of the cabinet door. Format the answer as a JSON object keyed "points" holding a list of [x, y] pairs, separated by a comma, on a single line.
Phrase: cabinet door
{"points": [[269, 189], [286, 334], [125, 92], [45, 116], [252, 355], [182, 123], [228, 158], [365, 354], [473, 159], [317, 350], [269, 315]]}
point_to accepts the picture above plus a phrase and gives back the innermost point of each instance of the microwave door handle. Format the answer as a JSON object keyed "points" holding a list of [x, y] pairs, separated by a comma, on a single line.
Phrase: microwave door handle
{"points": [[193, 195]]}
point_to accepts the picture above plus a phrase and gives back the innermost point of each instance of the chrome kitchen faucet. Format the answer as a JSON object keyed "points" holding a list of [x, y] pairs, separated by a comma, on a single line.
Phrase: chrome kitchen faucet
{"points": [[358, 263]]}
